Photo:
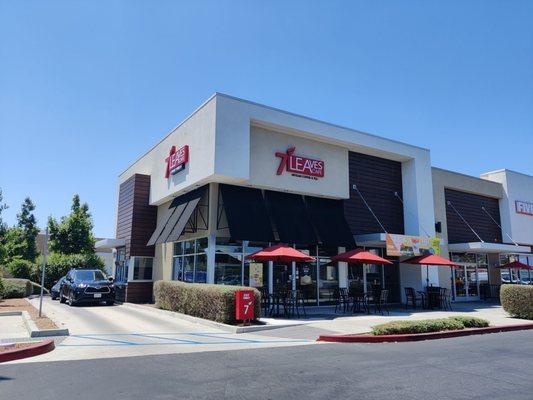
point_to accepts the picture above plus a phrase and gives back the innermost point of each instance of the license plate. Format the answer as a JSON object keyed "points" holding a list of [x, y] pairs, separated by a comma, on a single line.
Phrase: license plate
{"points": [[98, 295]]}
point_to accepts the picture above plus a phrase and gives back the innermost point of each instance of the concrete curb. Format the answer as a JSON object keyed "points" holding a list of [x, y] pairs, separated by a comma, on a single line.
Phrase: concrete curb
{"points": [[417, 337], [206, 322], [31, 351], [32, 329]]}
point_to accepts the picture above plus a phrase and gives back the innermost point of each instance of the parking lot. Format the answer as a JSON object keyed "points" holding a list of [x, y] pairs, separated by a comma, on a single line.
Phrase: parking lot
{"points": [[117, 331]]}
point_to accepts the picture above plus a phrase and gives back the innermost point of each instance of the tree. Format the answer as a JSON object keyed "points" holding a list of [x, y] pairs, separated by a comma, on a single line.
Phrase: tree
{"points": [[3, 229], [28, 223], [73, 234], [14, 244]]}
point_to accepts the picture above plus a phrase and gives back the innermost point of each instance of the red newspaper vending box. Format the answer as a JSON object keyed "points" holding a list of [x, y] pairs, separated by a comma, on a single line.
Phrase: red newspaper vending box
{"points": [[244, 305]]}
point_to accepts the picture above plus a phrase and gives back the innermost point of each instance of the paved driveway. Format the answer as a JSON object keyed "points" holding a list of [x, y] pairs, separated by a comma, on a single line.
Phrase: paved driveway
{"points": [[488, 367], [118, 331]]}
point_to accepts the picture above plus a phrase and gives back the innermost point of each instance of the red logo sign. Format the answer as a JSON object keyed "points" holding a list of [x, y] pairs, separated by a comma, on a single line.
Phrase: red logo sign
{"points": [[176, 160], [299, 165], [244, 305]]}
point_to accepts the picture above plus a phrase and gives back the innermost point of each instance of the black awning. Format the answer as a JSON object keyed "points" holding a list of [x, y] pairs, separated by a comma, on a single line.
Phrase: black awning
{"points": [[327, 215], [246, 213], [188, 209], [161, 226], [290, 217], [176, 217]]}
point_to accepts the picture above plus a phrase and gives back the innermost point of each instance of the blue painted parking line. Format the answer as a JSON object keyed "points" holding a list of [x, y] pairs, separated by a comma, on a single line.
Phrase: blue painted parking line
{"points": [[181, 343], [166, 339], [155, 336]]}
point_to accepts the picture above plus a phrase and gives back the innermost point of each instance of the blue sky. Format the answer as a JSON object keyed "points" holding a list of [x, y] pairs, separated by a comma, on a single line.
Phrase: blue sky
{"points": [[88, 86]]}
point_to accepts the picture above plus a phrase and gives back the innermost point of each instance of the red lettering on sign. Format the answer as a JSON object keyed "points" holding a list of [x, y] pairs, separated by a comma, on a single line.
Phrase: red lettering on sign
{"points": [[299, 164], [176, 160]]}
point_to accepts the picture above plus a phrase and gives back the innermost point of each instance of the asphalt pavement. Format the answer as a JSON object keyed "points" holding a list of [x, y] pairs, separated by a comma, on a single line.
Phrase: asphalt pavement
{"points": [[495, 366]]}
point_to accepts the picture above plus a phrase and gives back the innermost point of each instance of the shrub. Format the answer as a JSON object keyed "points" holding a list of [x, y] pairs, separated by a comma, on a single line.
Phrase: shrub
{"points": [[471, 322], [57, 265], [20, 268], [2, 289], [17, 288], [429, 325], [213, 302], [517, 300]]}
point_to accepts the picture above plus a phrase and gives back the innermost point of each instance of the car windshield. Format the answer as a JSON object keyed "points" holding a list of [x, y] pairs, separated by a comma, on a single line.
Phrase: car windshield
{"points": [[90, 275]]}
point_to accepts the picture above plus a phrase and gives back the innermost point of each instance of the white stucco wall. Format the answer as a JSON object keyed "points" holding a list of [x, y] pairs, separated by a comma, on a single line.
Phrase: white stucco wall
{"points": [[264, 164], [444, 179], [516, 186], [198, 132]]}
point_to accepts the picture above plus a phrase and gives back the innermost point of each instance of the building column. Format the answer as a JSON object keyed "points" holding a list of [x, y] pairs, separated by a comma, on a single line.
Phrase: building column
{"points": [[343, 270], [211, 247]]}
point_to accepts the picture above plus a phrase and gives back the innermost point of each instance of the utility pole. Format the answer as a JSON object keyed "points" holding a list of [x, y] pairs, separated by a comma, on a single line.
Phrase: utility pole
{"points": [[45, 254]]}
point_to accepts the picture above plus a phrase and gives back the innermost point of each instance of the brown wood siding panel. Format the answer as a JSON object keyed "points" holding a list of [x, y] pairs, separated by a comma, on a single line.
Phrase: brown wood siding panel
{"points": [[377, 179], [469, 206], [139, 292], [136, 219]]}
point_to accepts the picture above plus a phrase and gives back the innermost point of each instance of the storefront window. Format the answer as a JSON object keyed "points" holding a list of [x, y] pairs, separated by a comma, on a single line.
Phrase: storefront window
{"points": [[232, 267], [142, 268], [190, 261], [367, 277]]}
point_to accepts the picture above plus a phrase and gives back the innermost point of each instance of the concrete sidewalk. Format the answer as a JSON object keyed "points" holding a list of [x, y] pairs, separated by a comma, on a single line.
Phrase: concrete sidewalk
{"points": [[323, 320]]}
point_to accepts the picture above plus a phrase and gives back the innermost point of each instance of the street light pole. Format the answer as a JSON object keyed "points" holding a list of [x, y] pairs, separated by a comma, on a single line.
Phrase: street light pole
{"points": [[45, 253]]}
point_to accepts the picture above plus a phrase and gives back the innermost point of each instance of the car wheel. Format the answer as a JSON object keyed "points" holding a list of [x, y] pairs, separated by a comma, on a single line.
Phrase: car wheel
{"points": [[71, 301], [61, 299], [110, 302]]}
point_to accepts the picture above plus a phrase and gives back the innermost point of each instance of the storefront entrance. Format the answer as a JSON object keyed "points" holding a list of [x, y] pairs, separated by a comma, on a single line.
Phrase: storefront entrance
{"points": [[466, 282], [467, 279]]}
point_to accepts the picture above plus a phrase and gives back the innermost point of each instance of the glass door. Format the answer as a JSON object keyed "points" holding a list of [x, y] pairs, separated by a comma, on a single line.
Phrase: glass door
{"points": [[466, 282]]}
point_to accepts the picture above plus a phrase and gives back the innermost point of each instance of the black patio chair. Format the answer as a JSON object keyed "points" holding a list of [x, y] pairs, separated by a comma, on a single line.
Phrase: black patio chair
{"points": [[294, 303], [265, 300], [381, 302], [445, 299], [342, 299], [360, 302], [411, 297]]}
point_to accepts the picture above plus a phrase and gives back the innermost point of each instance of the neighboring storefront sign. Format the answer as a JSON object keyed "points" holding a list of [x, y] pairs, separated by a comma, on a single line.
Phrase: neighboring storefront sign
{"points": [[403, 245], [300, 166], [523, 207], [244, 305], [176, 160], [256, 274]]}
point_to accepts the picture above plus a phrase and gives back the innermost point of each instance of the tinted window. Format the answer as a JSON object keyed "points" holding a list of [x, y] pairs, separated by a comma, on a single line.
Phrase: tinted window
{"points": [[88, 275]]}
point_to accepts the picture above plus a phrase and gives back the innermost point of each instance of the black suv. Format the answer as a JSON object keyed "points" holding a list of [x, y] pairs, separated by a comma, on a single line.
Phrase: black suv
{"points": [[87, 286]]}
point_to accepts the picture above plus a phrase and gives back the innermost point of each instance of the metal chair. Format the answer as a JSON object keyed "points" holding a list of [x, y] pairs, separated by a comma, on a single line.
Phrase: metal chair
{"points": [[360, 302], [342, 299], [410, 296], [381, 302], [445, 299]]}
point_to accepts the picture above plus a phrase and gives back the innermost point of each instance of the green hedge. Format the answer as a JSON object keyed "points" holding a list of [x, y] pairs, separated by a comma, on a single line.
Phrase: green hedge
{"points": [[17, 288], [58, 265], [2, 289], [429, 325], [20, 268], [517, 300], [213, 302]]}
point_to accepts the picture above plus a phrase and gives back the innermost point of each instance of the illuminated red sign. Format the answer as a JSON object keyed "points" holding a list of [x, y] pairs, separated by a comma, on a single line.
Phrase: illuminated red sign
{"points": [[176, 160], [298, 165]]}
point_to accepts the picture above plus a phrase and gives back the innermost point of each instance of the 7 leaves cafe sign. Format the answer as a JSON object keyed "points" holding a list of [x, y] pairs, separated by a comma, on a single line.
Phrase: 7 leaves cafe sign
{"points": [[176, 160], [299, 166]]}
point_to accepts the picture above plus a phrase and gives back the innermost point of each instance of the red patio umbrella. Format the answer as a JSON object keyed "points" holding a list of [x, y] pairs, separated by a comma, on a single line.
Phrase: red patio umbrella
{"points": [[280, 253], [360, 256], [516, 265], [431, 259]]}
